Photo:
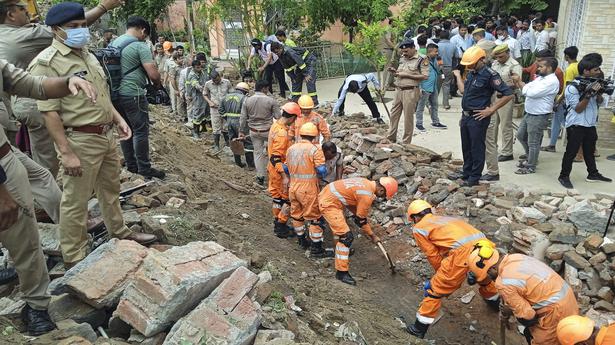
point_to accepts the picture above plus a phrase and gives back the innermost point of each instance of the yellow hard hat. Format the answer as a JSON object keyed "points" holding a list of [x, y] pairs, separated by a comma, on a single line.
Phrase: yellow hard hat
{"points": [[390, 185], [243, 86], [482, 258], [472, 55], [308, 129], [417, 206], [574, 329], [306, 102]]}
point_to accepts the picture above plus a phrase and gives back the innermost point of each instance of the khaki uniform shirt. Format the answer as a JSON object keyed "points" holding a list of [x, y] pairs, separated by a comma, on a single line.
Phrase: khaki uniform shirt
{"points": [[410, 65], [258, 112], [19, 45], [75, 111], [216, 93], [505, 70], [487, 46], [15, 81]]}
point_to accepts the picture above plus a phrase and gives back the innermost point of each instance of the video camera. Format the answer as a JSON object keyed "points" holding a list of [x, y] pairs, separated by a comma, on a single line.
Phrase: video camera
{"points": [[585, 86]]}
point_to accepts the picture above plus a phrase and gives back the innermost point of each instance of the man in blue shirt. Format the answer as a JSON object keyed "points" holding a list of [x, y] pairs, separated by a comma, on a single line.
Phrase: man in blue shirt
{"points": [[480, 84], [449, 54], [357, 83], [429, 89], [581, 121]]}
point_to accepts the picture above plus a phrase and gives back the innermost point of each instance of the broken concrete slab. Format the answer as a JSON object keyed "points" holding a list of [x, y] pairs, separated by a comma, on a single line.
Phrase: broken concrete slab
{"points": [[66, 306], [227, 316], [50, 238], [173, 282], [584, 216], [70, 327]]}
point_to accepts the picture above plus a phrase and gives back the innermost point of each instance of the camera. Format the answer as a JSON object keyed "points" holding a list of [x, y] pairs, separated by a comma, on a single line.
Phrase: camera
{"points": [[584, 86]]}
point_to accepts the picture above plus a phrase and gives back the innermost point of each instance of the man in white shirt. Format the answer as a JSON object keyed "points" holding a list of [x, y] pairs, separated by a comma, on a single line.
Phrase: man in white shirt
{"points": [[539, 99], [542, 36], [357, 83], [462, 40], [513, 44], [334, 161], [271, 65]]}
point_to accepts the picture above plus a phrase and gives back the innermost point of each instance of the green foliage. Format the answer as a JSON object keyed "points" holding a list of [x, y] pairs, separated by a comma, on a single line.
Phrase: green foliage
{"points": [[150, 10], [322, 13], [276, 302], [422, 10], [509, 6], [367, 44]]}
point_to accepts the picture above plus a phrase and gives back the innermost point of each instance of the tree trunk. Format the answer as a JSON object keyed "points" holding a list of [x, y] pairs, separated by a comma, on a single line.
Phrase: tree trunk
{"points": [[190, 20], [350, 34]]}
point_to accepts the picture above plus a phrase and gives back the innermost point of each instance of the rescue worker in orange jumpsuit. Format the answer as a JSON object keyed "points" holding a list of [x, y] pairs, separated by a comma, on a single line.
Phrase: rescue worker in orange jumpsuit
{"points": [[581, 330], [447, 242], [357, 194], [307, 115], [530, 290], [277, 145], [306, 166]]}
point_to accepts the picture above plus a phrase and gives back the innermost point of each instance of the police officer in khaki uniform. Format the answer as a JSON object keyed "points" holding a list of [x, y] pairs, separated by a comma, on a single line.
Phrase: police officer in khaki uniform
{"points": [[505, 65], [83, 134], [21, 42], [408, 76], [18, 227]]}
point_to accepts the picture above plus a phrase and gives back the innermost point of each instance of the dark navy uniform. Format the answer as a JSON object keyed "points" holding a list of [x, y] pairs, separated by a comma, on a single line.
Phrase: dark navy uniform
{"points": [[298, 63], [479, 87], [230, 108]]}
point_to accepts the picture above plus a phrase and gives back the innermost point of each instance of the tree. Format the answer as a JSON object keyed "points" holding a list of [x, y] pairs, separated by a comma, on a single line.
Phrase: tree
{"points": [[420, 11], [367, 45]]}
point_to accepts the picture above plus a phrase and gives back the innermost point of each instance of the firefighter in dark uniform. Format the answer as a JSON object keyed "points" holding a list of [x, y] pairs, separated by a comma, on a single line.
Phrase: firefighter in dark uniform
{"points": [[300, 65], [478, 88], [230, 108]]}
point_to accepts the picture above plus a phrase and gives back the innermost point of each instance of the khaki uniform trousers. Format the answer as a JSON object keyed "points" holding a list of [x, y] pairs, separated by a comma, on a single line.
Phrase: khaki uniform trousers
{"points": [[45, 189], [172, 96], [41, 143], [22, 239], [100, 163], [259, 140], [406, 101], [218, 123], [503, 117]]}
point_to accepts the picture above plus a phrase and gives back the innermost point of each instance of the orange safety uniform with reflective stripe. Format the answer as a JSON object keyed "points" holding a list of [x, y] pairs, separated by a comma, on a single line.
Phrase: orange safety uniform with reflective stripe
{"points": [[277, 145], [357, 194], [606, 335], [531, 288], [302, 159], [316, 119], [447, 242]]}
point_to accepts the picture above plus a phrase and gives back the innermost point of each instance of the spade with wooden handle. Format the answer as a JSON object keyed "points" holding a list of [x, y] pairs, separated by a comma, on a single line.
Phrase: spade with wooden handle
{"points": [[386, 255]]}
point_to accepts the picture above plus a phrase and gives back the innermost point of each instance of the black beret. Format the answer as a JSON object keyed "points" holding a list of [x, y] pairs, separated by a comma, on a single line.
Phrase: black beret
{"points": [[406, 44], [64, 12]]}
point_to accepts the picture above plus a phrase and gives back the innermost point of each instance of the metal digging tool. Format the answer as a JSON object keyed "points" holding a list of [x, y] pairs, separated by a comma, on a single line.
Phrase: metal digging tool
{"points": [[383, 103], [237, 147], [386, 255]]}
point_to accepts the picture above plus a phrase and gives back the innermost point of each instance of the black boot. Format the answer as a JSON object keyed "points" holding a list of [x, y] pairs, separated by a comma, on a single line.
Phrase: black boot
{"points": [[238, 161], [196, 132], [225, 136], [37, 321], [493, 304], [304, 241], [250, 159], [317, 251], [216, 142], [280, 229], [418, 329], [7, 275], [345, 277]]}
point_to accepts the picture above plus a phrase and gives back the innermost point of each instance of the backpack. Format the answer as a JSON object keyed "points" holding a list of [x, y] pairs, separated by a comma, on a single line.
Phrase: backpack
{"points": [[110, 59]]}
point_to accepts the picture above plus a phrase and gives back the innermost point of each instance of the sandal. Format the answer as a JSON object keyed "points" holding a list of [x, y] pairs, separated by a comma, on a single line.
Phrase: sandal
{"points": [[525, 171], [522, 164]]}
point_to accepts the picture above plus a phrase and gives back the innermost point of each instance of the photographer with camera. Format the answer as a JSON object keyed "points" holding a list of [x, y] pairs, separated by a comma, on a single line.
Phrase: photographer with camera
{"points": [[582, 99]]}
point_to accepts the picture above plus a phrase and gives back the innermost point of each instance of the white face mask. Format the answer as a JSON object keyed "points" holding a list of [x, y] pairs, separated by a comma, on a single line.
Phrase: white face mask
{"points": [[501, 37]]}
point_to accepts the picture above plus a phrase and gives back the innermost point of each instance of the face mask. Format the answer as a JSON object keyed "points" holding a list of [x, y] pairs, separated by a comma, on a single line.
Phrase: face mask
{"points": [[77, 38], [501, 38]]}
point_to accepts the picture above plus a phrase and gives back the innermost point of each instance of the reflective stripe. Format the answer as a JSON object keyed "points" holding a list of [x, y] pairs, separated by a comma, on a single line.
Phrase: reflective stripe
{"points": [[303, 176], [232, 115], [303, 66], [364, 192], [296, 93], [514, 282], [342, 249], [289, 69], [424, 319], [277, 205], [312, 94], [316, 234], [558, 296], [420, 231], [337, 194], [341, 257], [467, 239], [305, 54], [493, 298]]}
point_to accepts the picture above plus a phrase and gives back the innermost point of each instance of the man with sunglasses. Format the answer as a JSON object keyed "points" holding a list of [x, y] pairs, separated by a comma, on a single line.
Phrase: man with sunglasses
{"points": [[446, 242], [530, 290]]}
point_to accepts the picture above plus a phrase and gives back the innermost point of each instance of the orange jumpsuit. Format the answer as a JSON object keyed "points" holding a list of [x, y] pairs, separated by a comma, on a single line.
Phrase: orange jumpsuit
{"points": [[532, 289], [277, 145], [302, 160], [357, 194], [447, 242], [316, 119], [606, 335]]}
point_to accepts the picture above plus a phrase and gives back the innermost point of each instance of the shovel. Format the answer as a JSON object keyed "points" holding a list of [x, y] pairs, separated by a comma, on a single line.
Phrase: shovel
{"points": [[381, 96], [237, 147], [386, 255]]}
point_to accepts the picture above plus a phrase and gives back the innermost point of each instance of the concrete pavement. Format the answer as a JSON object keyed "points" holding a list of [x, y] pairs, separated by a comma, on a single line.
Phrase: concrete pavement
{"points": [[449, 140]]}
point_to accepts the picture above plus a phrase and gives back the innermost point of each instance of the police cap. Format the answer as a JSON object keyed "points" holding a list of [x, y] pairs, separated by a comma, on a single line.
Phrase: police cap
{"points": [[64, 12], [406, 44], [502, 48]]}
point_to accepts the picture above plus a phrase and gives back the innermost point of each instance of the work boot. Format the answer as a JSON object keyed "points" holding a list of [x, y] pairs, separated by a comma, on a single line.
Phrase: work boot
{"points": [[238, 161], [418, 329], [7, 275], [250, 160], [280, 229], [151, 172], [196, 132], [225, 136], [260, 180], [216, 146], [345, 277], [317, 251], [493, 304], [304, 241], [37, 322], [141, 238]]}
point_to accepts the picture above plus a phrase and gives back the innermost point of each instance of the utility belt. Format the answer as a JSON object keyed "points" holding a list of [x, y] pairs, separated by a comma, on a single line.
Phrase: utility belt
{"points": [[259, 130], [537, 114], [467, 113], [4, 150], [404, 88], [92, 129]]}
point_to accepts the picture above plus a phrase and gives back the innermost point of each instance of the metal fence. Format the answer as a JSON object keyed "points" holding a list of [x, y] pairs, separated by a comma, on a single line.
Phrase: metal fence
{"points": [[332, 60]]}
